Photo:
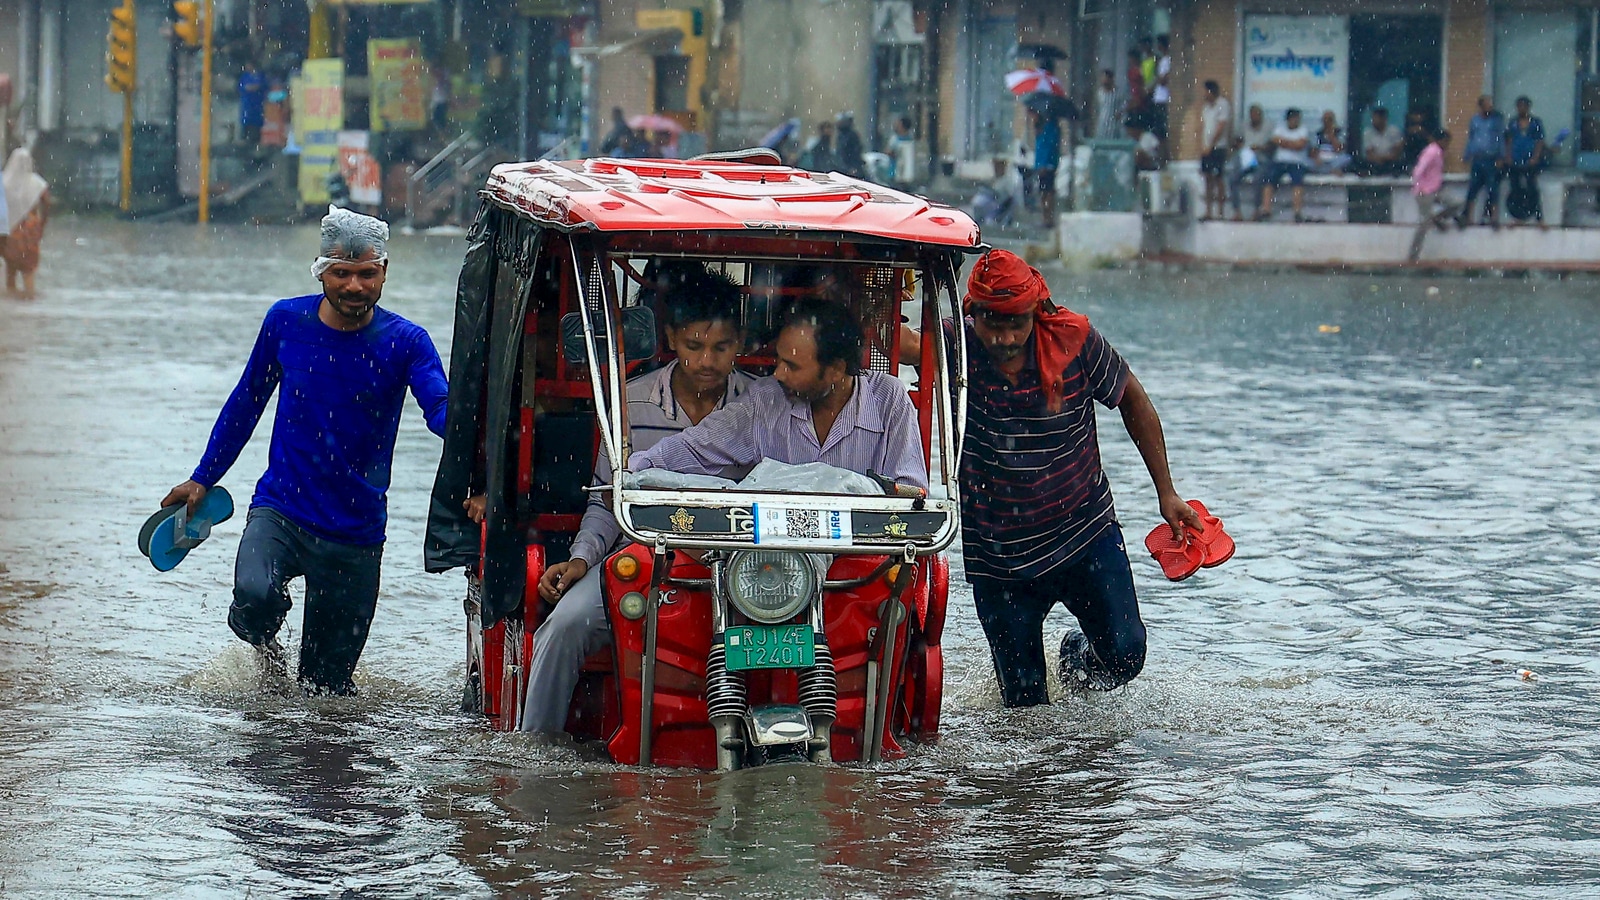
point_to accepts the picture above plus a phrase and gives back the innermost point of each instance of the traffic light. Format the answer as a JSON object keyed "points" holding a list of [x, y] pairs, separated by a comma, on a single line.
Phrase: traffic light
{"points": [[121, 48], [187, 28]]}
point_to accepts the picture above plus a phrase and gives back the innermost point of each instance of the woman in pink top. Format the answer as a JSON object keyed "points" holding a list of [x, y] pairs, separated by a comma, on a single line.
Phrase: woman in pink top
{"points": [[1427, 180]]}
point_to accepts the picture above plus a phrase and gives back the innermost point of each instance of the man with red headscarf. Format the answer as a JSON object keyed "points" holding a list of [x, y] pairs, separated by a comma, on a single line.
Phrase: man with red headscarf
{"points": [[1037, 521]]}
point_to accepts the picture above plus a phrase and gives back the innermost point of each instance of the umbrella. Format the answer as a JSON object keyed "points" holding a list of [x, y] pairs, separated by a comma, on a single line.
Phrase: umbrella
{"points": [[1029, 81], [781, 133], [649, 122], [1051, 106]]}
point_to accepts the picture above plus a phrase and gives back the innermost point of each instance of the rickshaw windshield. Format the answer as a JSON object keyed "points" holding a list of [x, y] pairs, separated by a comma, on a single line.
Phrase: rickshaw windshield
{"points": [[652, 299]]}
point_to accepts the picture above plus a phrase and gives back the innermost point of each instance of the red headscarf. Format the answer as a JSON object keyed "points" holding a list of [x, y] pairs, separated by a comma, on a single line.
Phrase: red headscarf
{"points": [[1002, 284]]}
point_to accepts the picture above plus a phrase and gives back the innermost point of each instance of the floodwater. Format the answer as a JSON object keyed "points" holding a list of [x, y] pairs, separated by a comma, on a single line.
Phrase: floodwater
{"points": [[1337, 712]]}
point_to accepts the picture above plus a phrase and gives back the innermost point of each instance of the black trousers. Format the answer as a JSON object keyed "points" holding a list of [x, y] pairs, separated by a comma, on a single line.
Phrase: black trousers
{"points": [[341, 595], [1097, 588]]}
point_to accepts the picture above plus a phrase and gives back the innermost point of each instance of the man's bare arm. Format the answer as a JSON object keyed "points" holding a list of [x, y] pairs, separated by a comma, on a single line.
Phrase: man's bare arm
{"points": [[1144, 426]]}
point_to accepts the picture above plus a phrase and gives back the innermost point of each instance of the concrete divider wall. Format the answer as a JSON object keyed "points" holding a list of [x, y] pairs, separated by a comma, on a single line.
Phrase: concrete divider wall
{"points": [[1314, 244]]}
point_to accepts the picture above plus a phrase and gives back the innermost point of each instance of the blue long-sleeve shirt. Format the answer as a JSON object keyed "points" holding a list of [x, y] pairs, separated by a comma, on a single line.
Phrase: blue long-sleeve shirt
{"points": [[333, 437]]}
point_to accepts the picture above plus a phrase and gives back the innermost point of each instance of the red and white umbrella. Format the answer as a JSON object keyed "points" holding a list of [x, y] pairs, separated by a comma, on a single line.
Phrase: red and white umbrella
{"points": [[651, 122], [1027, 81]]}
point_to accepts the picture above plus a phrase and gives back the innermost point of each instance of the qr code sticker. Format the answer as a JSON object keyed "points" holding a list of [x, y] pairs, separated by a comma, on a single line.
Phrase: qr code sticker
{"points": [[803, 523]]}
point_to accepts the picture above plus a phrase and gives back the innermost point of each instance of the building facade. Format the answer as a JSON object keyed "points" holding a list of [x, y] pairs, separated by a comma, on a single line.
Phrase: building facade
{"points": [[1434, 58]]}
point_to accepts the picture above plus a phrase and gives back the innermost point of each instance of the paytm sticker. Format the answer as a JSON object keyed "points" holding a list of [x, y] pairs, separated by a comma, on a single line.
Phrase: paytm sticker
{"points": [[796, 525]]}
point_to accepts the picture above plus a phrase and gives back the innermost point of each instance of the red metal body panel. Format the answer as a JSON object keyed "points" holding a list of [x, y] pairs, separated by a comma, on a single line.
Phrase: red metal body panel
{"points": [[671, 195], [682, 734]]}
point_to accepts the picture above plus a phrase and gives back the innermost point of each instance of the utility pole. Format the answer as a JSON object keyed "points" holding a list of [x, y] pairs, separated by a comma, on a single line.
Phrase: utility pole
{"points": [[194, 29], [122, 50], [205, 116]]}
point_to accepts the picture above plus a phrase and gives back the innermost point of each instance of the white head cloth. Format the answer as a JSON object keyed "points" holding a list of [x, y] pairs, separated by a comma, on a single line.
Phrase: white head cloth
{"points": [[22, 186], [349, 236]]}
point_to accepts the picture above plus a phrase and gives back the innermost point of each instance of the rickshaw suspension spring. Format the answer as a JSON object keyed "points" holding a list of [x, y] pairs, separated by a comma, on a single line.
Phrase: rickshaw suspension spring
{"points": [[725, 690], [819, 685]]}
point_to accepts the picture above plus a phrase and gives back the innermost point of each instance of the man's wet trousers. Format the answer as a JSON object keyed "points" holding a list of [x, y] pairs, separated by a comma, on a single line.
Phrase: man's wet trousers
{"points": [[1097, 588], [340, 598]]}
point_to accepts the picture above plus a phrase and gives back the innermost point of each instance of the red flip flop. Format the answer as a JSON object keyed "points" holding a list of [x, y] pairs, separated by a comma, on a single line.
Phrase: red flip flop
{"points": [[1218, 544], [1178, 559]]}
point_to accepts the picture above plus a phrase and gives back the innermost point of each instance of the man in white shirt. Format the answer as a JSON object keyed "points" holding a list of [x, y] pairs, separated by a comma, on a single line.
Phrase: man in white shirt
{"points": [[1216, 131], [1108, 108], [1381, 145], [1254, 157], [1161, 93], [1291, 158]]}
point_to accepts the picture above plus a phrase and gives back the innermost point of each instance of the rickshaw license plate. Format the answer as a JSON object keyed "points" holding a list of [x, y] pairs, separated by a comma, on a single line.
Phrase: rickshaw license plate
{"points": [[768, 647]]}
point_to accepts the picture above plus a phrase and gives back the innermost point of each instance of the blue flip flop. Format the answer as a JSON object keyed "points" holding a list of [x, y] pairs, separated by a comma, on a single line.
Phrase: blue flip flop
{"points": [[149, 526], [175, 533]]}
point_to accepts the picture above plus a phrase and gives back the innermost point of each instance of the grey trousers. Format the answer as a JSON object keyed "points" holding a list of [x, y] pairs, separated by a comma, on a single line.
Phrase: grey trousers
{"points": [[576, 628]]}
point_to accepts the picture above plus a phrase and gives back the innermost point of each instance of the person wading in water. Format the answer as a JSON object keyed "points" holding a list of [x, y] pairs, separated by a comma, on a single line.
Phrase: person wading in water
{"points": [[320, 509], [1038, 526]]}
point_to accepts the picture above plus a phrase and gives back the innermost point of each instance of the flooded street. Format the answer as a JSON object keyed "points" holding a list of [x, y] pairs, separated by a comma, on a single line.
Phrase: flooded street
{"points": [[1411, 476]]}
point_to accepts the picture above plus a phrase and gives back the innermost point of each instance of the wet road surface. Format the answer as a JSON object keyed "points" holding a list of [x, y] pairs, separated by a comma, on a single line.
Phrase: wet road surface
{"points": [[1336, 712]]}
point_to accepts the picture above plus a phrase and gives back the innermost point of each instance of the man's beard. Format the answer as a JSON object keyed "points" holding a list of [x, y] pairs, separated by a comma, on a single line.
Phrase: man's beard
{"points": [[354, 307], [810, 397]]}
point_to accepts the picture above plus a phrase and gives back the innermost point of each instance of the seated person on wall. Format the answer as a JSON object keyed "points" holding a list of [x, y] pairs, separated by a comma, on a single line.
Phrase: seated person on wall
{"points": [[1291, 159], [1329, 155], [1381, 145], [818, 406], [702, 329], [1148, 155]]}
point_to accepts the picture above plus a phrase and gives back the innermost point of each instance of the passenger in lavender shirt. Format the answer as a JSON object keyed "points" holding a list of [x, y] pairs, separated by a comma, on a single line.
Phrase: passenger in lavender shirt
{"points": [[818, 406]]}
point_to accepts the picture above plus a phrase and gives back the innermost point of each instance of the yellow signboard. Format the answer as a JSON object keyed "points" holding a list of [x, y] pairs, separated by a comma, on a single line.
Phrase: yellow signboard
{"points": [[400, 85], [318, 119]]}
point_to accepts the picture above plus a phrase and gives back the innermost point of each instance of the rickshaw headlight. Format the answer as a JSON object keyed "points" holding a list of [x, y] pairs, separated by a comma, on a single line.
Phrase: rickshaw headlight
{"points": [[771, 586], [631, 605]]}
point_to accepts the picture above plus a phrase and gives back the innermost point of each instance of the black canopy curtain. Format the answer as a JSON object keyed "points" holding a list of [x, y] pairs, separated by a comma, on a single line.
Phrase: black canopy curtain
{"points": [[491, 306]]}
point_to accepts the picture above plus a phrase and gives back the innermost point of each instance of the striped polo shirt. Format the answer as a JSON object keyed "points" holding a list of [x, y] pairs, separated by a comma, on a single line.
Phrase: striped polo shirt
{"points": [[653, 413], [1033, 494]]}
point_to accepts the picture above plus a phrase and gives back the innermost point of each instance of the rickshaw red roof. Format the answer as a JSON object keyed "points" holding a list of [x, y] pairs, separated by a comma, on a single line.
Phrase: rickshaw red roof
{"points": [[675, 195]]}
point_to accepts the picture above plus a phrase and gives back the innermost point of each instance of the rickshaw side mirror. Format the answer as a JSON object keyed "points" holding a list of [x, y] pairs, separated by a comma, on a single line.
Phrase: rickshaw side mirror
{"points": [[639, 339]]}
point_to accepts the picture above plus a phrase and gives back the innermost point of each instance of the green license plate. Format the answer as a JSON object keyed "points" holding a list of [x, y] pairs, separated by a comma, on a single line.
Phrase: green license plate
{"points": [[768, 647]]}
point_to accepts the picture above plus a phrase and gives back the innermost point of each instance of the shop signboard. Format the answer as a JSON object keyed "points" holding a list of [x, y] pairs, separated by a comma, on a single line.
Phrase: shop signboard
{"points": [[400, 84], [1297, 61], [318, 119], [362, 175]]}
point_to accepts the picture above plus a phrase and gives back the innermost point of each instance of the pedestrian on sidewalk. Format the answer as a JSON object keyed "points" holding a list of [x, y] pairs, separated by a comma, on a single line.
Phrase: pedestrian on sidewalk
{"points": [[252, 104], [1291, 159], [1108, 108], [1252, 156], [1046, 159], [1427, 181], [819, 155], [1147, 151], [848, 149], [1328, 152], [1417, 137], [1216, 134], [1381, 144], [320, 509], [28, 211], [1523, 157], [1161, 90], [1136, 83], [1485, 145]]}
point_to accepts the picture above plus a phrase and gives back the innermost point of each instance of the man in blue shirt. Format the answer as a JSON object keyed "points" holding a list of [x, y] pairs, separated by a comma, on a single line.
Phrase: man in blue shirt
{"points": [[252, 104], [1485, 136], [1046, 159], [1525, 154], [320, 509]]}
